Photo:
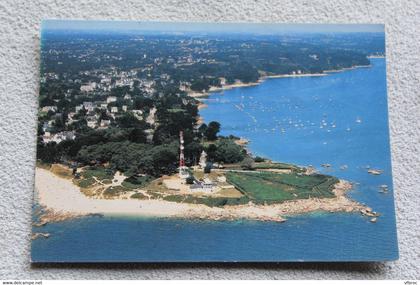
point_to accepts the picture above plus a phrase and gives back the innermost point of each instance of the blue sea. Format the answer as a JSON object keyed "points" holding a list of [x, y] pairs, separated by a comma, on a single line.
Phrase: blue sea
{"points": [[340, 119]]}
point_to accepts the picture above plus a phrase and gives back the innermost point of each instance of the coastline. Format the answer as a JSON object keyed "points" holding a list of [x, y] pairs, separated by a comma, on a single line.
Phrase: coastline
{"points": [[63, 200], [376, 56], [67, 201], [214, 89]]}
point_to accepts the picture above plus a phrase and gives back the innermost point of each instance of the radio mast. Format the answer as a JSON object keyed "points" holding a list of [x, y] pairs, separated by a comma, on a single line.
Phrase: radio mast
{"points": [[183, 170]]}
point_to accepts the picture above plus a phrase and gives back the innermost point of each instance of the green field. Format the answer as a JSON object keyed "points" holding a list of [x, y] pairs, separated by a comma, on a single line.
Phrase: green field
{"points": [[266, 165], [267, 187], [90, 176], [100, 173], [136, 182], [276, 165], [208, 201]]}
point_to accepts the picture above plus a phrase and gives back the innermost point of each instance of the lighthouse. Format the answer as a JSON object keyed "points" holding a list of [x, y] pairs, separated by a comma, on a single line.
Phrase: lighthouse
{"points": [[183, 170]]}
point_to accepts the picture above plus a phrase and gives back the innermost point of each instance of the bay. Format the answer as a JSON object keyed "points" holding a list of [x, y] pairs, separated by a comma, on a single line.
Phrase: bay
{"points": [[340, 119]]}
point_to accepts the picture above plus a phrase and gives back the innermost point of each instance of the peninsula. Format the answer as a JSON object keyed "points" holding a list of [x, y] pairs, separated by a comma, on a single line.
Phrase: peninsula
{"points": [[119, 130], [62, 199]]}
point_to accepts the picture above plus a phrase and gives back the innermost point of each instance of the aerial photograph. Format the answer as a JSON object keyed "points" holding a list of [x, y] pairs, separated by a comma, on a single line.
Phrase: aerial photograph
{"points": [[212, 142]]}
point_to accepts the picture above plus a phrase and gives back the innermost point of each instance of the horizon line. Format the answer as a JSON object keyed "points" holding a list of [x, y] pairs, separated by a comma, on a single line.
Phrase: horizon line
{"points": [[206, 27]]}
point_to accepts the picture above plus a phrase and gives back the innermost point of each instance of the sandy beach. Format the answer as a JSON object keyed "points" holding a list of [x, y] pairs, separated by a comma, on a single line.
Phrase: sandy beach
{"points": [[62, 199]]}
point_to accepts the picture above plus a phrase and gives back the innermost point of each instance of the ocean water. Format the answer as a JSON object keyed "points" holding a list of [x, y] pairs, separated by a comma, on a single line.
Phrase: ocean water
{"points": [[340, 119]]}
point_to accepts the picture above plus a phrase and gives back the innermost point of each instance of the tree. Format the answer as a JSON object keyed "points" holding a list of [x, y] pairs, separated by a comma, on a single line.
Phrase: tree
{"points": [[202, 129], [212, 129], [247, 163], [259, 159], [128, 120], [189, 180], [228, 151], [137, 136], [165, 158], [211, 152], [207, 168], [47, 153], [193, 151]]}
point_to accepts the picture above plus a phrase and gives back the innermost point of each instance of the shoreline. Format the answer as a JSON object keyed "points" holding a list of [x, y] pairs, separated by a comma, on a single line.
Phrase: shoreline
{"points": [[214, 89], [63, 200]]}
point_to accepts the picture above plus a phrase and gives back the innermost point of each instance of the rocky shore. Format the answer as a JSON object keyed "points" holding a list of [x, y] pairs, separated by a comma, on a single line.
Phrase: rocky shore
{"points": [[63, 200]]}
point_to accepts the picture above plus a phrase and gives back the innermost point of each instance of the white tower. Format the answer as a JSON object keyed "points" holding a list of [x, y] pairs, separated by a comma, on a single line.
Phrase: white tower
{"points": [[203, 159]]}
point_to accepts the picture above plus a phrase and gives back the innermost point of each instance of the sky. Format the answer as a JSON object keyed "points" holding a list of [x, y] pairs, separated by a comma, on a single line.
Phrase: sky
{"points": [[182, 27]]}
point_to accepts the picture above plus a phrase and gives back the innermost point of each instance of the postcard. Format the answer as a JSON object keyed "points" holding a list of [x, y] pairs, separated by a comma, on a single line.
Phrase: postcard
{"points": [[211, 142]]}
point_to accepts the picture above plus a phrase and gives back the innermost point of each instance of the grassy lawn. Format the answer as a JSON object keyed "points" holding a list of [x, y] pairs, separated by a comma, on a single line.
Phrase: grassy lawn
{"points": [[86, 183], [139, 196], [135, 182], [275, 165], [89, 174], [43, 165], [114, 191], [208, 201], [265, 165], [101, 173], [230, 193], [61, 170], [266, 187], [199, 174]]}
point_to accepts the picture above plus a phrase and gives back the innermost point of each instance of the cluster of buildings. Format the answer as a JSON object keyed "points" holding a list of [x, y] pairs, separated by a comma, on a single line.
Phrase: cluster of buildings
{"points": [[107, 83], [205, 185], [99, 83], [58, 137], [94, 116]]}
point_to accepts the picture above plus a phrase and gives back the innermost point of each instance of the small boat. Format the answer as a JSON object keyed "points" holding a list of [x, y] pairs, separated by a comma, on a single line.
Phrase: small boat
{"points": [[373, 220], [383, 188], [375, 171]]}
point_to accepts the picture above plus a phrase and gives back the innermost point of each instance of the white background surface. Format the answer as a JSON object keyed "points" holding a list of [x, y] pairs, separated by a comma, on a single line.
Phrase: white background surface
{"points": [[19, 63]]}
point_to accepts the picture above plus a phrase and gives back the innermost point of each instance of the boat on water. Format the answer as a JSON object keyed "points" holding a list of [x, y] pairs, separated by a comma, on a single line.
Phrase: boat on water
{"points": [[374, 171]]}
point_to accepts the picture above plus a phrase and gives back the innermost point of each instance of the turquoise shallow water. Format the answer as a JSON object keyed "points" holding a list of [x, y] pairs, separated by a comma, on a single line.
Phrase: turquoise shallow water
{"points": [[340, 119]]}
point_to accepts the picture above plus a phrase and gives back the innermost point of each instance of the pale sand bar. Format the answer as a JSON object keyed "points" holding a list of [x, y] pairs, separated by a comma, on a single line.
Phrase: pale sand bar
{"points": [[61, 196]]}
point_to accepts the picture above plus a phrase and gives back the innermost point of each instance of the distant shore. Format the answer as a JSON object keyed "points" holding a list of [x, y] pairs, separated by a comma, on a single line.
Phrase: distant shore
{"points": [[375, 56], [215, 89], [63, 200]]}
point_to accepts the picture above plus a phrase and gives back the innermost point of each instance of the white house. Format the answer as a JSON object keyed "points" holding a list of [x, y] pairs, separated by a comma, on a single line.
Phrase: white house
{"points": [[89, 106], [105, 123], [111, 99], [88, 87], [206, 186], [58, 137], [138, 114], [49, 108], [79, 108]]}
